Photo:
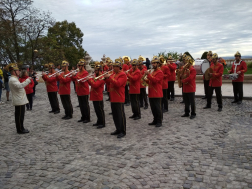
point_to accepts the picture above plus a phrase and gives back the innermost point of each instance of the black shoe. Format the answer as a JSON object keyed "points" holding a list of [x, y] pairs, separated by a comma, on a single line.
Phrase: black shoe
{"points": [[185, 115], [182, 102], [172, 99], [86, 121], [127, 104], [100, 126], [137, 117], [132, 116], [141, 106], [110, 113], [78, 106], [64, 117], [51, 111], [108, 99], [27, 109], [239, 102], [95, 124], [26, 131], [235, 101], [115, 133], [219, 109], [192, 116], [165, 111], [68, 117], [204, 97], [158, 124], [120, 135], [80, 120], [145, 107], [56, 112], [152, 123], [206, 107]]}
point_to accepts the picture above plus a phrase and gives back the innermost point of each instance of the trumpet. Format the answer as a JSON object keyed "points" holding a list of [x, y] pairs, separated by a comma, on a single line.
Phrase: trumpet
{"points": [[86, 78], [128, 70], [53, 75], [108, 72], [39, 75], [70, 73]]}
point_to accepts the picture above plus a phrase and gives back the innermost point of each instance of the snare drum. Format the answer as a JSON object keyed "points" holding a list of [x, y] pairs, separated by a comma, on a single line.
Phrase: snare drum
{"points": [[201, 66], [232, 76]]}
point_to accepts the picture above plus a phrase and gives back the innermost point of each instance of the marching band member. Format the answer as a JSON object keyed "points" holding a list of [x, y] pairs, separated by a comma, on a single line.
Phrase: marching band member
{"points": [[96, 95], [117, 97], [65, 90], [125, 67], [239, 67], [19, 98], [82, 91], [143, 95], [154, 79], [52, 89], [166, 72], [189, 88], [134, 77], [172, 78], [108, 81], [180, 70], [206, 82], [215, 83]]}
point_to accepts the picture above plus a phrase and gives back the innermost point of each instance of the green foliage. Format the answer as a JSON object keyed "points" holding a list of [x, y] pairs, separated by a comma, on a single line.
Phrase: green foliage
{"points": [[249, 64], [174, 55], [204, 55]]}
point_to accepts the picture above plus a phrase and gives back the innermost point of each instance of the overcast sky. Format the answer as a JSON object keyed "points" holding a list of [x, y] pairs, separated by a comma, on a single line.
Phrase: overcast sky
{"points": [[147, 27]]}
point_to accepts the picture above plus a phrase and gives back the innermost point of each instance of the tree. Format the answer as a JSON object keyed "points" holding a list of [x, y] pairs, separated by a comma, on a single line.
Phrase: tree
{"points": [[66, 39], [174, 55]]}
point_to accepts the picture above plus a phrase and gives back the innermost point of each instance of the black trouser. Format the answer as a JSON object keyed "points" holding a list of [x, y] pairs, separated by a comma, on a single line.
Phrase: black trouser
{"points": [[143, 97], [238, 90], [34, 90], [170, 89], [156, 109], [127, 99], [84, 107], [206, 85], [67, 105], [165, 100], [119, 117], [19, 117], [182, 94], [29, 97], [135, 104], [54, 102], [108, 96], [98, 106], [74, 86], [218, 96], [189, 99]]}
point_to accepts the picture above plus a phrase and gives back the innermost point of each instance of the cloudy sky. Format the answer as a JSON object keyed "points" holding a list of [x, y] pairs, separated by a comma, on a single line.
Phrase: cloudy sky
{"points": [[147, 27]]}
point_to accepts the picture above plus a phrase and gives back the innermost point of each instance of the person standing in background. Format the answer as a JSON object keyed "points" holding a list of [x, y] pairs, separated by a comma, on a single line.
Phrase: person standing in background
{"points": [[6, 76]]}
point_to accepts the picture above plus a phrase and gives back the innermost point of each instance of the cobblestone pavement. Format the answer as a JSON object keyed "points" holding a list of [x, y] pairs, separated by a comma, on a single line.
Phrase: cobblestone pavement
{"points": [[212, 151]]}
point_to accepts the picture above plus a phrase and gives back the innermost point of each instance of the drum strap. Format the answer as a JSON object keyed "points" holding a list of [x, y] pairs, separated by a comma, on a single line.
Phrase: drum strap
{"points": [[236, 64]]}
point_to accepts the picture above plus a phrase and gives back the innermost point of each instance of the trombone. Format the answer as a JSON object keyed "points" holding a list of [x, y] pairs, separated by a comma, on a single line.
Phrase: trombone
{"points": [[108, 72], [86, 78], [70, 73], [53, 75], [128, 70]]}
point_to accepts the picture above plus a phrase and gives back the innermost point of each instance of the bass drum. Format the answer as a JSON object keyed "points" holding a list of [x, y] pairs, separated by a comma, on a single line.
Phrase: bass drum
{"points": [[201, 65]]}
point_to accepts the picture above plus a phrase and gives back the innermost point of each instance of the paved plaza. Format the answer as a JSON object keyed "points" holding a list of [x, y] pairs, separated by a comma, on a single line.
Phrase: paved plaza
{"points": [[214, 150]]}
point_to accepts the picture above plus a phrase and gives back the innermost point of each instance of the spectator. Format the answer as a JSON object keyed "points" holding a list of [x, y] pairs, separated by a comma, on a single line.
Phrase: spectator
{"points": [[147, 63], [28, 89], [6, 76], [56, 70], [1, 86], [32, 74]]}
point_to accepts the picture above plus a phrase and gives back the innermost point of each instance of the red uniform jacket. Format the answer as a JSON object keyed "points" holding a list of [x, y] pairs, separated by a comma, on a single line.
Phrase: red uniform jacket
{"points": [[172, 67], [189, 84], [144, 67], [97, 87], [167, 73], [142, 73], [130, 66], [64, 87], [242, 67], [134, 79], [105, 68], [51, 83], [125, 67], [155, 80], [117, 87], [216, 79], [82, 88], [29, 87]]}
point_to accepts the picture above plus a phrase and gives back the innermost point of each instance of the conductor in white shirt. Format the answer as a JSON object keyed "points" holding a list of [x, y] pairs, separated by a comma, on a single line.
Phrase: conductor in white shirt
{"points": [[19, 98]]}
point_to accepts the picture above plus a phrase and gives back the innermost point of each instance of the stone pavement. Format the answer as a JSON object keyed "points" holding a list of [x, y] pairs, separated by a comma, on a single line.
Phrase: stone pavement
{"points": [[212, 151]]}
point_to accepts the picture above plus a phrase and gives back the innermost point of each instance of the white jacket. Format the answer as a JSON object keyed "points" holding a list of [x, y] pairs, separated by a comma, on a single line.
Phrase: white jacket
{"points": [[17, 91]]}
